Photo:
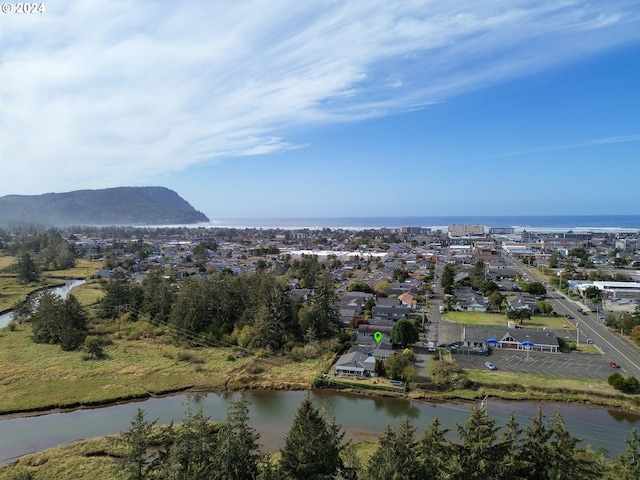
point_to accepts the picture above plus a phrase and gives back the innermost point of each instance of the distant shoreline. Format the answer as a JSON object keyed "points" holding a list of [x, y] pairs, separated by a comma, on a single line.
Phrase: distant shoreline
{"points": [[540, 223]]}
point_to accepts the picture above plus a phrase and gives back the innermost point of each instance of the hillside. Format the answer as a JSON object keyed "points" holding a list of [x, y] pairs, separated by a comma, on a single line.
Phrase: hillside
{"points": [[110, 206]]}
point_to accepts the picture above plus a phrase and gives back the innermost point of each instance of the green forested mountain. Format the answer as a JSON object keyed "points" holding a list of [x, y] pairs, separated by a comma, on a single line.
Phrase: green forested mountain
{"points": [[110, 206]]}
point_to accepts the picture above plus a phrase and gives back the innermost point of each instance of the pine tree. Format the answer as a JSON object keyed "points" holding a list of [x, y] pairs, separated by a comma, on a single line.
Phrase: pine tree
{"points": [[435, 454], [396, 457], [28, 271], [138, 459], [626, 466], [312, 446], [238, 452], [481, 449], [195, 448]]}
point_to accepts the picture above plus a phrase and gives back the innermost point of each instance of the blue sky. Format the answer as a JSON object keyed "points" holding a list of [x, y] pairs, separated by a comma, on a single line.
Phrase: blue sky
{"points": [[329, 108]]}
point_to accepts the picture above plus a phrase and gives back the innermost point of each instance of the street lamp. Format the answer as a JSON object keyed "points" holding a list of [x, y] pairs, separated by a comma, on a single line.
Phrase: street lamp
{"points": [[527, 344]]}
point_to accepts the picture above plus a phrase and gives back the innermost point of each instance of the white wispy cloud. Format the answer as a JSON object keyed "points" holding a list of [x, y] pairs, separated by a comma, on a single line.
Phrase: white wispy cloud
{"points": [[101, 93]]}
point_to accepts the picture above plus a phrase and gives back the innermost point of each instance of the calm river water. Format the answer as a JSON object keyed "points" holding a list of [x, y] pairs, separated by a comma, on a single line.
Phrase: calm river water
{"points": [[271, 413], [61, 291]]}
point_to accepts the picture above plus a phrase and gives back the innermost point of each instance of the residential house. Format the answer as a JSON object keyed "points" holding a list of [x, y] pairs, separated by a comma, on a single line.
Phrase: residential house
{"points": [[355, 364], [523, 301], [408, 300], [390, 313]]}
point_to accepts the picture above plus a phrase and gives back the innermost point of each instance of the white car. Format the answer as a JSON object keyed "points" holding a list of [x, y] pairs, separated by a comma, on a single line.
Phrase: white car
{"points": [[490, 366]]}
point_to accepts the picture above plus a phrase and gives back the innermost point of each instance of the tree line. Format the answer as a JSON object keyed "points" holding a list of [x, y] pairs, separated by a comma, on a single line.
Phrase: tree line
{"points": [[39, 252], [314, 449], [252, 310]]}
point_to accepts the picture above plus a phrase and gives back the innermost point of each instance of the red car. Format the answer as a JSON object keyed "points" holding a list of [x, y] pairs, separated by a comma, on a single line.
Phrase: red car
{"points": [[614, 365]]}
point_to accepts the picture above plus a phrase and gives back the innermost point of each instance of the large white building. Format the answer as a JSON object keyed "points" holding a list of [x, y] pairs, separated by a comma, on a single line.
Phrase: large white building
{"points": [[341, 255]]}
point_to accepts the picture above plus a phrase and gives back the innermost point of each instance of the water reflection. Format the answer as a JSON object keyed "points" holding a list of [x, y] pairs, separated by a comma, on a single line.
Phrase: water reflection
{"points": [[624, 417], [271, 414]]}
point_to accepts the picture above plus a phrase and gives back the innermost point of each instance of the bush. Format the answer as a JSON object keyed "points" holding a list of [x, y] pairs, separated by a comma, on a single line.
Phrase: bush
{"points": [[632, 384], [93, 347], [230, 358], [613, 378], [189, 357], [254, 368]]}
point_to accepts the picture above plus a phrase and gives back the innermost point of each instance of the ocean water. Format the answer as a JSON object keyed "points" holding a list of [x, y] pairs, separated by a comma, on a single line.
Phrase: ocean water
{"points": [[556, 223]]}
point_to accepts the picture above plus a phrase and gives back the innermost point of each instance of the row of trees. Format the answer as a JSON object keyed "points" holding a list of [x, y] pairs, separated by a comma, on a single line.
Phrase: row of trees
{"points": [[200, 449], [41, 252], [314, 450], [253, 309]]}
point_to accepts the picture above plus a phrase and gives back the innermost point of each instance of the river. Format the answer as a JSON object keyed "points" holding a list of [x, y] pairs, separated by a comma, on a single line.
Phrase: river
{"points": [[271, 413], [62, 291]]}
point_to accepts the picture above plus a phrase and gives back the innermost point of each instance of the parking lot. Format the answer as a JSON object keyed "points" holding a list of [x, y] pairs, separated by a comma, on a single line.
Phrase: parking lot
{"points": [[574, 365]]}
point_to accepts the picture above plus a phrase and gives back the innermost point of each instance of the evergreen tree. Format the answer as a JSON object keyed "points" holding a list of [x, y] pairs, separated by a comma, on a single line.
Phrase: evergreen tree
{"points": [[159, 295], [513, 463], [481, 451], [139, 459], [448, 275], [116, 299], [626, 466], [73, 328], [435, 455], [532, 452], [194, 450], [396, 456], [272, 321], [58, 321], [194, 309], [312, 446], [28, 271], [566, 459], [322, 319], [238, 454]]}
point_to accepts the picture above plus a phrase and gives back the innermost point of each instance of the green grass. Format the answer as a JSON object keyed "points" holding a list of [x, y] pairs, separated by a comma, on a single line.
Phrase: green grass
{"points": [[145, 361], [12, 292], [94, 459], [500, 319]]}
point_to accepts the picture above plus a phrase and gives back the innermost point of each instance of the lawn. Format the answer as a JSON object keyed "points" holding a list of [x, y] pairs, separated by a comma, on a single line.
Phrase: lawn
{"points": [[500, 319], [518, 386]]}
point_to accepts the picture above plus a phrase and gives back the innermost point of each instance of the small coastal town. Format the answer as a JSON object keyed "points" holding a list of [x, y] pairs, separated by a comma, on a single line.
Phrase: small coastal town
{"points": [[465, 312], [384, 275]]}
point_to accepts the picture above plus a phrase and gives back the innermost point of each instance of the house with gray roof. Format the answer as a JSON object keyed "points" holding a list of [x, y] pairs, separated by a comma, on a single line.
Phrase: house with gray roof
{"points": [[354, 364], [510, 338]]}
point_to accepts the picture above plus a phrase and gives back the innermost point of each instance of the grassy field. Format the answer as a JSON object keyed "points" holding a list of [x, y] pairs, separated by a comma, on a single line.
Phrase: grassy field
{"points": [[500, 319], [12, 292], [144, 361], [88, 294], [85, 459]]}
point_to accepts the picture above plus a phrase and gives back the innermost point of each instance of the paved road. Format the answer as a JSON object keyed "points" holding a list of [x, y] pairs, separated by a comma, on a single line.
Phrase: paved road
{"points": [[613, 346]]}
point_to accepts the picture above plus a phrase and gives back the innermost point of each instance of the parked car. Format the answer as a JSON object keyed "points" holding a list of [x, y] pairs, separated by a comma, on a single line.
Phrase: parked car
{"points": [[490, 366], [614, 365]]}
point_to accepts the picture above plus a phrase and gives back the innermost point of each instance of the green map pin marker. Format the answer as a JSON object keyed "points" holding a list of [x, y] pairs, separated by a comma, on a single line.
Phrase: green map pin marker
{"points": [[378, 337]]}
